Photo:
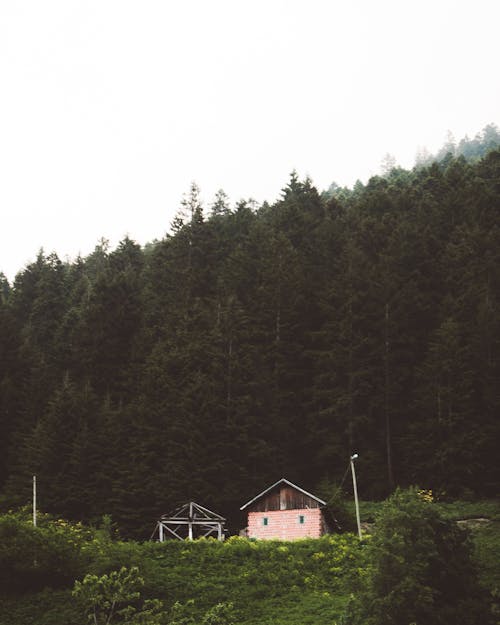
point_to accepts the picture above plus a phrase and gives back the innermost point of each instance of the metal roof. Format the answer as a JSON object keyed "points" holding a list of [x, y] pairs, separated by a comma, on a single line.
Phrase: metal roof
{"points": [[284, 481]]}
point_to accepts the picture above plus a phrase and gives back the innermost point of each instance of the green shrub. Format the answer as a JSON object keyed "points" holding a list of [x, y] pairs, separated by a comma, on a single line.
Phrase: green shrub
{"points": [[421, 569], [34, 557]]}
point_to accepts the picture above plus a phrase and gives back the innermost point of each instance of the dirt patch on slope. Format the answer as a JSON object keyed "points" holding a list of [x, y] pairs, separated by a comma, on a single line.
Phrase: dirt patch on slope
{"points": [[473, 524]]}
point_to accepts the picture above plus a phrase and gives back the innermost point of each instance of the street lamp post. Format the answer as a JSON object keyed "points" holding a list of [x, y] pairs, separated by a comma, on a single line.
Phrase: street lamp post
{"points": [[355, 486]]}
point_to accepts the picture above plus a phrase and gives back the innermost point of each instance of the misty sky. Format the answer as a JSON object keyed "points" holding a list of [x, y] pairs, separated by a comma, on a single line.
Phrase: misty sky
{"points": [[110, 108]]}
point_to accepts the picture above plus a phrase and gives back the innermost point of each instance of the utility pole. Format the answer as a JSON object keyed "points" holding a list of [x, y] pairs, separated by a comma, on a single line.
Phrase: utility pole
{"points": [[355, 487], [34, 500]]}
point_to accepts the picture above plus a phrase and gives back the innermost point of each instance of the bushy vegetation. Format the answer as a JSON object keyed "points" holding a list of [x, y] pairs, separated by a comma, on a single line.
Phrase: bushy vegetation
{"points": [[253, 582], [421, 569], [259, 578], [55, 552]]}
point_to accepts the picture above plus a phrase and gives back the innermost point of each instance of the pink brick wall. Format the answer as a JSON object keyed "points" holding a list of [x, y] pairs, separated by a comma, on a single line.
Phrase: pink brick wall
{"points": [[284, 524]]}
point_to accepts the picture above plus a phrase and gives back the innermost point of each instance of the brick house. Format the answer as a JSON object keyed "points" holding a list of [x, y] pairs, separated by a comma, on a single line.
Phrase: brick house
{"points": [[285, 511]]}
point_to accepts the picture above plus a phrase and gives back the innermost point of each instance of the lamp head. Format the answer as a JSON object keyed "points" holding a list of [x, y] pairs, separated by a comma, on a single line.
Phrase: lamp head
{"points": [[354, 457]]}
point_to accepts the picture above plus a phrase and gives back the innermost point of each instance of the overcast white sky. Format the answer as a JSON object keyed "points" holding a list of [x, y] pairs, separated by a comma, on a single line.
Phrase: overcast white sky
{"points": [[110, 108]]}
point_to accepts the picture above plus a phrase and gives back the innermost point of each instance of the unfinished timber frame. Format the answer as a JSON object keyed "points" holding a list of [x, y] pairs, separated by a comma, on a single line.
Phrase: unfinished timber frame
{"points": [[190, 521]]}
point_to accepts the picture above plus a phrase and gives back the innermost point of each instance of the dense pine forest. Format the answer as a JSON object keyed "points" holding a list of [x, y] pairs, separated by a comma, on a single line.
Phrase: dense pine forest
{"points": [[256, 342]]}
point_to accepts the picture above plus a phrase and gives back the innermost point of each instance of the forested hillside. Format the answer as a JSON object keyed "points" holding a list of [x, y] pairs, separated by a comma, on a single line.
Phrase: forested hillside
{"points": [[254, 343]]}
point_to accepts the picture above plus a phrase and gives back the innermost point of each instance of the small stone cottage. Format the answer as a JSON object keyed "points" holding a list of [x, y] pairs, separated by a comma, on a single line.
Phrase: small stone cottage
{"points": [[285, 511]]}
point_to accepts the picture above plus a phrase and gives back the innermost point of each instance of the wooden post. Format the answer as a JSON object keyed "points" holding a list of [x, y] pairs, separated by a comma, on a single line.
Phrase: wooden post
{"points": [[35, 561], [190, 526], [160, 528]]}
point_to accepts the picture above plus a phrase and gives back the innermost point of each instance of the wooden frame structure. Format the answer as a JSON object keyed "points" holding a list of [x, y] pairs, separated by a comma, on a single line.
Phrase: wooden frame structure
{"points": [[190, 521]]}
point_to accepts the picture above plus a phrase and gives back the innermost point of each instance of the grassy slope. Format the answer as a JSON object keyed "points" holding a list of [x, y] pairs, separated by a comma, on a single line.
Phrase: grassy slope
{"points": [[270, 583]]}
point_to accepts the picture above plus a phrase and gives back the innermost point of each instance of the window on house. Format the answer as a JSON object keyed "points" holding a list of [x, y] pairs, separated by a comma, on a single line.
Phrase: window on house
{"points": [[301, 519], [265, 520]]}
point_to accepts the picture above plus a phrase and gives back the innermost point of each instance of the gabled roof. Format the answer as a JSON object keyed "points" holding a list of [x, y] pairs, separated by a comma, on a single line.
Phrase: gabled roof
{"points": [[283, 481]]}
